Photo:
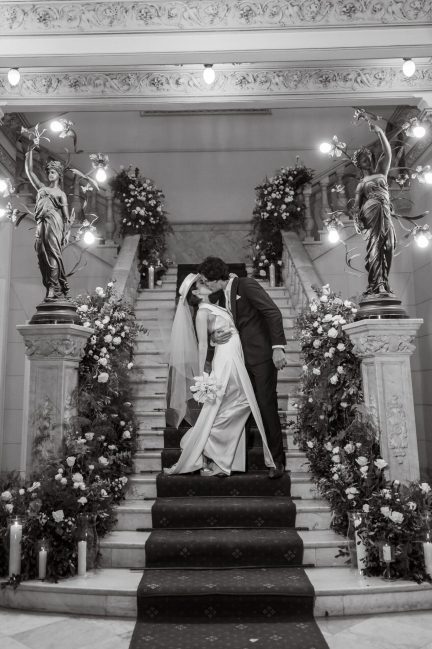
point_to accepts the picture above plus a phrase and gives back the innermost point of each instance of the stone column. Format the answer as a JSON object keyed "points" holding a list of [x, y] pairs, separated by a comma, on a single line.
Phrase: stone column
{"points": [[385, 347], [53, 352]]}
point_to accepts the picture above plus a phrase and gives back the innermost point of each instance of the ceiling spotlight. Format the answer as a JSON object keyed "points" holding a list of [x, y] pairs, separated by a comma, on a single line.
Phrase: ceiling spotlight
{"points": [[14, 77], [101, 175], [89, 238], [325, 147], [209, 74], [333, 235], [408, 67], [418, 131]]}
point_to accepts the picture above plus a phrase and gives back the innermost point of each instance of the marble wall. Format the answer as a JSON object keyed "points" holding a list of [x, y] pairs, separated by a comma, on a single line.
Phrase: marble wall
{"points": [[190, 243]]}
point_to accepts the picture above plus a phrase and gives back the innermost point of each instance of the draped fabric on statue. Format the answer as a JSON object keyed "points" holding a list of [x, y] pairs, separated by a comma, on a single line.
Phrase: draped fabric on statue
{"points": [[219, 432], [50, 233], [375, 215]]}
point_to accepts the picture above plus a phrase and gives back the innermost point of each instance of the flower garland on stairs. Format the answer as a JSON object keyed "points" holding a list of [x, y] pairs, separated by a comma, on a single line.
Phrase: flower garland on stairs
{"points": [[90, 476], [143, 213], [278, 206], [342, 445]]}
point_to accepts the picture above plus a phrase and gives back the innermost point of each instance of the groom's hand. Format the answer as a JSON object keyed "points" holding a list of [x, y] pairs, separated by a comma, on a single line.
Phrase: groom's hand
{"points": [[221, 336], [279, 358]]}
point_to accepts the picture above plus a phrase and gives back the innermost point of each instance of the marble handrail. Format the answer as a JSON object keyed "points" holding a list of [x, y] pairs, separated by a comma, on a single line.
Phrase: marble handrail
{"points": [[125, 272], [299, 273]]}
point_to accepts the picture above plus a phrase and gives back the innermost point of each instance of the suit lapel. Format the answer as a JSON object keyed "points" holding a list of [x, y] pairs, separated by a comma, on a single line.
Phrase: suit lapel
{"points": [[233, 298]]}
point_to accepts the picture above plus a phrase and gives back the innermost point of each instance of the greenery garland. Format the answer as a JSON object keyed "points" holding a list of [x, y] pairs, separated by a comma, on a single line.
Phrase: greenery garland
{"points": [[90, 476], [278, 206], [143, 213], [341, 444]]}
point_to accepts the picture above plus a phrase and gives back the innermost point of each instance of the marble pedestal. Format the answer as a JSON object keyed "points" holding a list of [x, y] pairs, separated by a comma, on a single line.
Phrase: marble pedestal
{"points": [[385, 347], [54, 352]]}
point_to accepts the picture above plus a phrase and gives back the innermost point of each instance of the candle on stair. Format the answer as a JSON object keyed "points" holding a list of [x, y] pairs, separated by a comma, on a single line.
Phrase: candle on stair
{"points": [[151, 277], [427, 550], [272, 275], [15, 537], [42, 562], [82, 558]]}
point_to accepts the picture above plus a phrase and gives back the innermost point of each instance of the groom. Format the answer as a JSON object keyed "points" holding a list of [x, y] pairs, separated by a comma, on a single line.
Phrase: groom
{"points": [[260, 325]]}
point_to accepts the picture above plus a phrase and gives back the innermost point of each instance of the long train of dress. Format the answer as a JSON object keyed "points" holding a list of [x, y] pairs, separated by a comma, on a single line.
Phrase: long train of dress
{"points": [[219, 432]]}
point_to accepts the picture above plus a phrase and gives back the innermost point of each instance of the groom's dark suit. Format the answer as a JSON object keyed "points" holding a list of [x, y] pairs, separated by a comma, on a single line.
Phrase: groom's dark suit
{"points": [[260, 325]]}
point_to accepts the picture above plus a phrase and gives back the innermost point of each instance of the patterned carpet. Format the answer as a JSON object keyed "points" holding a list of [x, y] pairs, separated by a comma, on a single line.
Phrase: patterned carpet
{"points": [[223, 564]]}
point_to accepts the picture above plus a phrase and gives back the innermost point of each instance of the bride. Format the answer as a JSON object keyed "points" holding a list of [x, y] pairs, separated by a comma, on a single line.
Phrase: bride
{"points": [[216, 444]]}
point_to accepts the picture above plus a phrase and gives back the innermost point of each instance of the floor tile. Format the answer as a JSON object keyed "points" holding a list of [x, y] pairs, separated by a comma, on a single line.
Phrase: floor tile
{"points": [[71, 633], [12, 622], [393, 630]]}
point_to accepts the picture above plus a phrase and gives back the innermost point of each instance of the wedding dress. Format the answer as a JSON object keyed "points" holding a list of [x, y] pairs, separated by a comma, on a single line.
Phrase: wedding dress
{"points": [[219, 432]]}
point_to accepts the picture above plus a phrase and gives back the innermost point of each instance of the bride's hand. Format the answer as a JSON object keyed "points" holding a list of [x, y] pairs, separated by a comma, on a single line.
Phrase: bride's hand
{"points": [[221, 336]]}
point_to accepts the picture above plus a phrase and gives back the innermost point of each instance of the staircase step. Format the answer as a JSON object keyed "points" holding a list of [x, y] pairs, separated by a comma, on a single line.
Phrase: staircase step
{"points": [[256, 483], [126, 549], [172, 437], [145, 387], [223, 512], [147, 371], [150, 419], [150, 402], [223, 548], [155, 304]]}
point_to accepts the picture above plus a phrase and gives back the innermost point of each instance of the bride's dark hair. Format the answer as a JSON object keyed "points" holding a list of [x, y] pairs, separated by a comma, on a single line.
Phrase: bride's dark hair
{"points": [[191, 299]]}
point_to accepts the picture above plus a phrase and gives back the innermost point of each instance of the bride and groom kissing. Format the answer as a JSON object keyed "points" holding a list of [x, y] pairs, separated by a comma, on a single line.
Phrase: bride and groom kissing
{"points": [[246, 331]]}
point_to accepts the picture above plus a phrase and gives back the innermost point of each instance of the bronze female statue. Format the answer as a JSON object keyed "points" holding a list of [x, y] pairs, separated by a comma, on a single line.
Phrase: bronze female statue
{"points": [[373, 211], [52, 227]]}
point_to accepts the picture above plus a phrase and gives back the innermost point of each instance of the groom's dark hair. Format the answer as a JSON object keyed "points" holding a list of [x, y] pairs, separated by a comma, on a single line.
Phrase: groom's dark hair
{"points": [[213, 268]]}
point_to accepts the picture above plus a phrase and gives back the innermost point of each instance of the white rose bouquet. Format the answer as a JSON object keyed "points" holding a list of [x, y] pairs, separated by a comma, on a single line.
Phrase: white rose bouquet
{"points": [[206, 388]]}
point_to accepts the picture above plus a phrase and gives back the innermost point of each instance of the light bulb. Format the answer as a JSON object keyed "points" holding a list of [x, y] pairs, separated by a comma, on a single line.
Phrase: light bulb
{"points": [[428, 177], [409, 67], [2, 212], [89, 237], [419, 131], [101, 175], [3, 185], [333, 235], [325, 147], [56, 126], [421, 240], [14, 76], [209, 74]]}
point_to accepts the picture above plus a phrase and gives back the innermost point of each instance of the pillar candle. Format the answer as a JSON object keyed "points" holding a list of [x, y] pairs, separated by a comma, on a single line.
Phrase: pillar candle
{"points": [[15, 549], [82, 558], [361, 553], [42, 563], [151, 277], [272, 275], [427, 550], [387, 553]]}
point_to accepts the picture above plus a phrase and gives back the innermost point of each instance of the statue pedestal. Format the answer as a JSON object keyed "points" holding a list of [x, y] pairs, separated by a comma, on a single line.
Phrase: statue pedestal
{"points": [[54, 352], [385, 347]]}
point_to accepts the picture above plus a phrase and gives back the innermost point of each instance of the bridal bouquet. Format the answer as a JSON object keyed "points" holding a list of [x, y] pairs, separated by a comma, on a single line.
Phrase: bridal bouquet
{"points": [[206, 388]]}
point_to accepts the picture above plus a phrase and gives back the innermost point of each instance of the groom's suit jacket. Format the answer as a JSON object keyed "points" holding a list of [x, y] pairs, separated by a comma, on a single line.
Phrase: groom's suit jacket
{"points": [[257, 318]]}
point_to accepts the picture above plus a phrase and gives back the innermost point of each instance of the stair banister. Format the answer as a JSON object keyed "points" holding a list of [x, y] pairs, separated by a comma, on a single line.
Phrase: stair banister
{"points": [[125, 273], [299, 273]]}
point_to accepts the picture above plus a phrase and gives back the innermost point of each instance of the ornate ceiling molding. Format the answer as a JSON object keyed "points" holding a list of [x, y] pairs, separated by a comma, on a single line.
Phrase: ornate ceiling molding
{"points": [[79, 16], [236, 82]]}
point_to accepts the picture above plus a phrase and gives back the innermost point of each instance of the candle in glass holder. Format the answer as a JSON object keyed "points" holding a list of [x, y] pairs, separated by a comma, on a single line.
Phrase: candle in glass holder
{"points": [[361, 553], [151, 277], [82, 558], [427, 550], [272, 275], [42, 562], [387, 552], [15, 537]]}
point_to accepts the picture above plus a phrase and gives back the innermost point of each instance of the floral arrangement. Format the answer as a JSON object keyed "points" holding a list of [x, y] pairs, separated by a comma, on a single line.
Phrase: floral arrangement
{"points": [[206, 388], [342, 444], [90, 475], [143, 213], [278, 206]]}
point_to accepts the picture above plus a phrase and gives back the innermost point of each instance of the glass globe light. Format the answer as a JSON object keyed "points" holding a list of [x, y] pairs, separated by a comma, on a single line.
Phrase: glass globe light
{"points": [[428, 177], [333, 235], [2, 212], [89, 238], [421, 240], [56, 126], [209, 74], [325, 147], [14, 77], [101, 175], [3, 185], [408, 67]]}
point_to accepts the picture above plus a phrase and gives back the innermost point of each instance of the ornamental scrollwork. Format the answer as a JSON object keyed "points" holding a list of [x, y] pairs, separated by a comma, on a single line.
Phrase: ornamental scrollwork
{"points": [[241, 80], [373, 344], [397, 429], [81, 16], [68, 347]]}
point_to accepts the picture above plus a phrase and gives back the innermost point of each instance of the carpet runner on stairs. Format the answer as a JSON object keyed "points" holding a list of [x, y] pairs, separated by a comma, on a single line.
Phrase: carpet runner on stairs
{"points": [[223, 564]]}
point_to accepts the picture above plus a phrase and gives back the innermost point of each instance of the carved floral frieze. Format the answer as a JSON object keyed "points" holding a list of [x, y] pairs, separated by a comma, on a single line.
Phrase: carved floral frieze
{"points": [[397, 428], [240, 80], [371, 344], [80, 16], [65, 347]]}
